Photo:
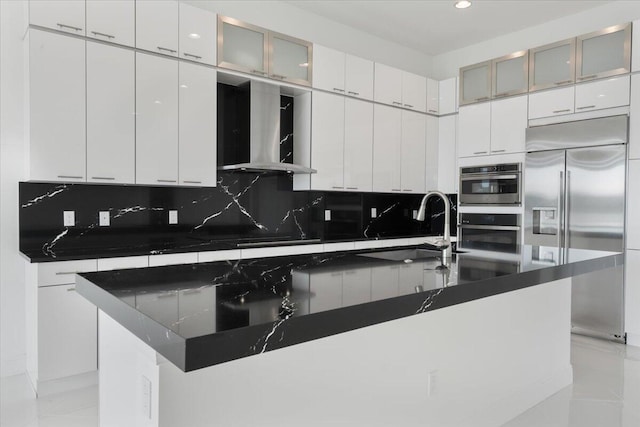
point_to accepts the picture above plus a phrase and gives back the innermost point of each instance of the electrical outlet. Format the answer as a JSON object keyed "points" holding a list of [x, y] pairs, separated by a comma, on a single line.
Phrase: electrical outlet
{"points": [[104, 219], [173, 217], [327, 215], [374, 213], [69, 218], [146, 397], [432, 383], [415, 214]]}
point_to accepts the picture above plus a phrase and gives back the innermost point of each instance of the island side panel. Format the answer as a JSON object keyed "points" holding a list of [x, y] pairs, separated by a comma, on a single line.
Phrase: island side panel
{"points": [[478, 363]]}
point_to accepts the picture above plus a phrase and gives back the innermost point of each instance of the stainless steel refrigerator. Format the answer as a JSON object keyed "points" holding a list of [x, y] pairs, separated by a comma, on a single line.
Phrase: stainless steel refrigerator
{"points": [[574, 185]]}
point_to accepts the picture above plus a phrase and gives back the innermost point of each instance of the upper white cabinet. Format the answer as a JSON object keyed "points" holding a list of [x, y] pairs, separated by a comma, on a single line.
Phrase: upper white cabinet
{"points": [[552, 103], [634, 125], [57, 107], [358, 145], [327, 141], [387, 154], [552, 65], [511, 74], [358, 77], [508, 125], [157, 26], [474, 127], [604, 53], [249, 48], [400, 88], [329, 69], [63, 15], [607, 93], [156, 120], [431, 163], [635, 46], [447, 159], [413, 147], [475, 83], [197, 125], [433, 96], [112, 21], [110, 114], [197, 40], [448, 94]]}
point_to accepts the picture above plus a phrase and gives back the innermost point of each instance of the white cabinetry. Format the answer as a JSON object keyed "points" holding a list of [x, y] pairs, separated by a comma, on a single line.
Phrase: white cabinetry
{"points": [[156, 120], [57, 107], [632, 297], [635, 46], [197, 40], [388, 85], [157, 26], [433, 96], [110, 114], [356, 286], [414, 92], [607, 93], [474, 130], [508, 125], [633, 206], [634, 125], [413, 150], [358, 145], [448, 93], [327, 141], [197, 125], [447, 159], [358, 77], [387, 131], [338, 72], [384, 282], [112, 21], [326, 291], [552, 103], [431, 163], [63, 15]]}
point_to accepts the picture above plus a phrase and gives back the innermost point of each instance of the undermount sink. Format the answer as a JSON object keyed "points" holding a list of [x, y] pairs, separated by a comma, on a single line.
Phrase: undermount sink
{"points": [[406, 254]]}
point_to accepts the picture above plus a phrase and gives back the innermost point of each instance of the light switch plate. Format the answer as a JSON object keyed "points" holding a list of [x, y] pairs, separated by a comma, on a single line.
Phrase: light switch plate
{"points": [[104, 219], [173, 217], [374, 213], [327, 215], [69, 218], [415, 214], [146, 397]]}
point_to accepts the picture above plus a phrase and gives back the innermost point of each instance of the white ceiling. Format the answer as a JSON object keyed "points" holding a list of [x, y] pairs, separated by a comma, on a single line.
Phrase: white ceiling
{"points": [[435, 26]]}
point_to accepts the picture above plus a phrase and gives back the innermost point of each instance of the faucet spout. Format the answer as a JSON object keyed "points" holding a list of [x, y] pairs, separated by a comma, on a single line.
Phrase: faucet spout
{"points": [[446, 234]]}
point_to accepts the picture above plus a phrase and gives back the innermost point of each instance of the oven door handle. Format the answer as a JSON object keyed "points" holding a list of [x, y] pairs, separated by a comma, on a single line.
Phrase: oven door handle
{"points": [[485, 176], [491, 227]]}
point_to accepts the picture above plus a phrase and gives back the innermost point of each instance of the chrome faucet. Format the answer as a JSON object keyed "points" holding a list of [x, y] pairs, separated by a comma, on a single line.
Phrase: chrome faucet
{"points": [[445, 242]]}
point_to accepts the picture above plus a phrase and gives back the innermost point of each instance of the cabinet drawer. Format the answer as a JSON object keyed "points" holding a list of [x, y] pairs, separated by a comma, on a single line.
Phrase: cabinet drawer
{"points": [[64, 272], [607, 93], [551, 103], [219, 255], [107, 264], [280, 251], [173, 259]]}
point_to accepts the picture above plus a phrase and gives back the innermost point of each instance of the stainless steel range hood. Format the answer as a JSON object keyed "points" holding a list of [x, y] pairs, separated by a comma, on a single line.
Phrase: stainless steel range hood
{"points": [[264, 130]]}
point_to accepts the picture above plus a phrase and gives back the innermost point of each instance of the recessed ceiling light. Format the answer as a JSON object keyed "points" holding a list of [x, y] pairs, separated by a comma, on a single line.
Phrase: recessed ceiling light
{"points": [[462, 4], [197, 36], [304, 64]]}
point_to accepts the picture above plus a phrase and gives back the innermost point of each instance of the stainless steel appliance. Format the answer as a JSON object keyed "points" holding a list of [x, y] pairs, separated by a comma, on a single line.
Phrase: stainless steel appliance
{"points": [[575, 198], [493, 232], [491, 185]]}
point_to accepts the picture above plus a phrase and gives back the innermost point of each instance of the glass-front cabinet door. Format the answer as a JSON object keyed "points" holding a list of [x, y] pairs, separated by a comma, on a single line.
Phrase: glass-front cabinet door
{"points": [[242, 46], [290, 59], [552, 65], [604, 53], [475, 83], [510, 74]]}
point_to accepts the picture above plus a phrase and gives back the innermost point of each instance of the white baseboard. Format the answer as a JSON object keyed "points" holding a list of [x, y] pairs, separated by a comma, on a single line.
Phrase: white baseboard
{"points": [[11, 367], [46, 388]]}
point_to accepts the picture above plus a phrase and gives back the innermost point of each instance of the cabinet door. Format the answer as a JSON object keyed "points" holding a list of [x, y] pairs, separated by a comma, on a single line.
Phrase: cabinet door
{"points": [[508, 125], [63, 15], [552, 103], [358, 145], [157, 26], [327, 141], [414, 92], [387, 132], [242, 46], [448, 93], [447, 158], [384, 282], [433, 96], [474, 129], [552, 65], [511, 74], [156, 120], [387, 85], [197, 125], [328, 69], [67, 333], [411, 278], [608, 93], [604, 53], [475, 83], [197, 40], [110, 114], [414, 135], [633, 205], [57, 107], [634, 125], [290, 59], [431, 164], [326, 291], [112, 21], [632, 292], [358, 77], [356, 286], [635, 46]]}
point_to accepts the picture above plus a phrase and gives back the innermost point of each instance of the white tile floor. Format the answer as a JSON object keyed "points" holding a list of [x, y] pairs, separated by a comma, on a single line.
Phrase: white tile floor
{"points": [[605, 393]]}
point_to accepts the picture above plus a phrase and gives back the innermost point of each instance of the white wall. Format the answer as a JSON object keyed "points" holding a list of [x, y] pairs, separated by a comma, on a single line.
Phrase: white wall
{"points": [[617, 12], [12, 296], [285, 18]]}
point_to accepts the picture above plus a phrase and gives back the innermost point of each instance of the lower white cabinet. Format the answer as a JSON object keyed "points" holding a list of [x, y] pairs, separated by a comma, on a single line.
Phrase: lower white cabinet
{"points": [[633, 206], [632, 295], [156, 120], [556, 102], [67, 333], [326, 291], [197, 125], [356, 286], [634, 111], [606, 93], [384, 282], [173, 259]]}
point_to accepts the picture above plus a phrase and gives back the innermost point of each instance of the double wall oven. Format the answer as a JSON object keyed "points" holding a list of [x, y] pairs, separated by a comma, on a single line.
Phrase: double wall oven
{"points": [[487, 190]]}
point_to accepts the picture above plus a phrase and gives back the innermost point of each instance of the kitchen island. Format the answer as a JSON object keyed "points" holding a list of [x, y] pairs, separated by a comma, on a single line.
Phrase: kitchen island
{"points": [[351, 338]]}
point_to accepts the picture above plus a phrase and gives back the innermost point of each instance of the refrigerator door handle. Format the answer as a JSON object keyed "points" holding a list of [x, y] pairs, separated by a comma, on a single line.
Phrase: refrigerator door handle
{"points": [[561, 234], [567, 206]]}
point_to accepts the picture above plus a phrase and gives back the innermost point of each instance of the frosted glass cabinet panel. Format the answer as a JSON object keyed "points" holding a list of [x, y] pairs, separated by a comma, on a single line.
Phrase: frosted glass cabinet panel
{"points": [[552, 65], [604, 53], [475, 83], [242, 46], [289, 59], [510, 74]]}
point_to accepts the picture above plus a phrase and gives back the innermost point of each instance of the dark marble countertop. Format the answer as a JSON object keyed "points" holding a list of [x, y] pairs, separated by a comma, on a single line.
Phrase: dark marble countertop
{"points": [[198, 315]]}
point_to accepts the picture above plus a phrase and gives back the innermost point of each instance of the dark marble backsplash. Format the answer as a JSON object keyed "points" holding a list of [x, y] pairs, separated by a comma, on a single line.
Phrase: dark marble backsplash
{"points": [[243, 207]]}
